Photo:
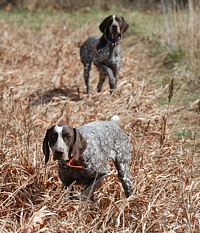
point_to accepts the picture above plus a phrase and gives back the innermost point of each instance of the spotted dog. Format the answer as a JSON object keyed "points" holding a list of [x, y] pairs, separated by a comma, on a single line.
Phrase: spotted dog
{"points": [[104, 51], [82, 153]]}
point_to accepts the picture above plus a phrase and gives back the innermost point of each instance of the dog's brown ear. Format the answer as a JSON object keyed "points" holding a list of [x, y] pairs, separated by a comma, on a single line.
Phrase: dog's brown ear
{"points": [[125, 26], [102, 26], [102, 43], [45, 147], [79, 145]]}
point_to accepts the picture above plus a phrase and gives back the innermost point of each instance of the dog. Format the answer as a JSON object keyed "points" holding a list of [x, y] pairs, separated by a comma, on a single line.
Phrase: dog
{"points": [[104, 51], [82, 153]]}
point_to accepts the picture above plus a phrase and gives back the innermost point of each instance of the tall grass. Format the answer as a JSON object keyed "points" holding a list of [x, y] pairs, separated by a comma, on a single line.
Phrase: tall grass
{"points": [[42, 84]]}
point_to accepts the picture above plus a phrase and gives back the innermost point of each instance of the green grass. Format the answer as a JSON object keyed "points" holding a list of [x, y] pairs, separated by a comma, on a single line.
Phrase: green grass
{"points": [[36, 19], [174, 56], [184, 133], [181, 95], [32, 19]]}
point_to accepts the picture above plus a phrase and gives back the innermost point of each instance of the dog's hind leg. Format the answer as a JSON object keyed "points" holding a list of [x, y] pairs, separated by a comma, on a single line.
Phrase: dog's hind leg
{"points": [[124, 176], [87, 67]]}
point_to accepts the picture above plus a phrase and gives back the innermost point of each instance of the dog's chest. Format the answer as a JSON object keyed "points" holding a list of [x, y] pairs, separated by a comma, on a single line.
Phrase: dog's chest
{"points": [[68, 174], [80, 175], [107, 55]]}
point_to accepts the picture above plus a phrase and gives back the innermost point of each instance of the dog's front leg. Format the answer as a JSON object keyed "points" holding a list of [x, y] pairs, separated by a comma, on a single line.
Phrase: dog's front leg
{"points": [[92, 186], [105, 71]]}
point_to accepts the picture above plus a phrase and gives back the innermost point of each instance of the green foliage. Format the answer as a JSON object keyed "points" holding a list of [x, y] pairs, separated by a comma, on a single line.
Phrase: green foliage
{"points": [[31, 19], [184, 133], [37, 19], [174, 56]]}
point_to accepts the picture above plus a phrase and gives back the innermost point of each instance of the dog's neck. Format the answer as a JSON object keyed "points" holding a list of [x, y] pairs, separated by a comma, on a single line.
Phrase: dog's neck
{"points": [[112, 43]]}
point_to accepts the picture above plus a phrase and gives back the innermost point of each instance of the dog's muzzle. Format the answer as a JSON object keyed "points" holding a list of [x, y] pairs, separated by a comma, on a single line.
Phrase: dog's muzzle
{"points": [[59, 154]]}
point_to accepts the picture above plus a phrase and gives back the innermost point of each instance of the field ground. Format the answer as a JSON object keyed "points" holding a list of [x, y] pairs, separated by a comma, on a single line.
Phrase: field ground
{"points": [[42, 84]]}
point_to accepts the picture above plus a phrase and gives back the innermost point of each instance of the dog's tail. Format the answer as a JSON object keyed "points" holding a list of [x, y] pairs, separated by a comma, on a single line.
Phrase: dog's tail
{"points": [[115, 119]]}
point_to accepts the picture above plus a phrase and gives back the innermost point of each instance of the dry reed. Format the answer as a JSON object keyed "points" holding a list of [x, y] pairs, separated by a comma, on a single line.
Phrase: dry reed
{"points": [[38, 90]]}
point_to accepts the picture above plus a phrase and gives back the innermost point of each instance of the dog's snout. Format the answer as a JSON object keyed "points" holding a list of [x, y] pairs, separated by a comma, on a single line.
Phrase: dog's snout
{"points": [[115, 28], [58, 153], [115, 25]]}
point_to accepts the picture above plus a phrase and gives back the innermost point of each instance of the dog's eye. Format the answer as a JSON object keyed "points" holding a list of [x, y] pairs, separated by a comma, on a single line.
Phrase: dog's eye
{"points": [[67, 137], [118, 19], [53, 136]]}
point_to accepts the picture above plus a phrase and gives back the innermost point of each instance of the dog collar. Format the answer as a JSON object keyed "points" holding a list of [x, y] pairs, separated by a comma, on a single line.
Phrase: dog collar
{"points": [[69, 163], [110, 40], [73, 166]]}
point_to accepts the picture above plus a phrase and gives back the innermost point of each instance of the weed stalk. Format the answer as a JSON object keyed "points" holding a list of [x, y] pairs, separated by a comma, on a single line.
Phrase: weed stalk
{"points": [[195, 136], [164, 124]]}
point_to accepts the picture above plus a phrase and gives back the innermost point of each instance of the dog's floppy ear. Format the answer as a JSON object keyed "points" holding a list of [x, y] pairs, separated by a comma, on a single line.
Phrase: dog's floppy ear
{"points": [[125, 26], [79, 145], [102, 26], [45, 147], [102, 43]]}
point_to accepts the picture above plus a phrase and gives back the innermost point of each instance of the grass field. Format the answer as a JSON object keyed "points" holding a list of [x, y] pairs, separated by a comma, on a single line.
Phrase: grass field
{"points": [[42, 84]]}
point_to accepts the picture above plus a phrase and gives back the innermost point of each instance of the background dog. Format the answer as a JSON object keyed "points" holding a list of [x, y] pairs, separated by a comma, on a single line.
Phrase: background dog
{"points": [[104, 51]]}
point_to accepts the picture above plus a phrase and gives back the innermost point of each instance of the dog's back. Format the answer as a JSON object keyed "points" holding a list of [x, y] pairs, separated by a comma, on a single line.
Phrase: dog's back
{"points": [[105, 139]]}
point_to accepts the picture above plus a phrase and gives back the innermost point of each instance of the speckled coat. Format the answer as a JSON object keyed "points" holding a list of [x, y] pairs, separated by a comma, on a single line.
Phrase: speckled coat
{"points": [[104, 51], [105, 139], [106, 59]]}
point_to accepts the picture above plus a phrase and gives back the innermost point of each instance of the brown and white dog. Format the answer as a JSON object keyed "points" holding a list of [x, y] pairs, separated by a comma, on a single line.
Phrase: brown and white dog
{"points": [[82, 153], [104, 51]]}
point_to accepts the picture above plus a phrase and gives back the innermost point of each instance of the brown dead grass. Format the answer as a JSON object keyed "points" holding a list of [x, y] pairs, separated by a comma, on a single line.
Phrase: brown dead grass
{"points": [[42, 84]]}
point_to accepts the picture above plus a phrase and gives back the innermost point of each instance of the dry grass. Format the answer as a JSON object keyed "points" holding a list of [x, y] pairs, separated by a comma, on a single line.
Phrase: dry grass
{"points": [[42, 84]]}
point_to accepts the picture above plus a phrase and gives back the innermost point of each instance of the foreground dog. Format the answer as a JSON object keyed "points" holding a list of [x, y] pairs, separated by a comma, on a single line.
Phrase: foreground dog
{"points": [[82, 153], [104, 51]]}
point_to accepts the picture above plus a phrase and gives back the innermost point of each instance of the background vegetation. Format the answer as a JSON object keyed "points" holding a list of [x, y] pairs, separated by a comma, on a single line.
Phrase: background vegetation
{"points": [[157, 100], [76, 5]]}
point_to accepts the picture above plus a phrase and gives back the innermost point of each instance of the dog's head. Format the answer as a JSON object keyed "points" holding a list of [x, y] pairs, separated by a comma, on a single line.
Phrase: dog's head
{"points": [[114, 26], [65, 142]]}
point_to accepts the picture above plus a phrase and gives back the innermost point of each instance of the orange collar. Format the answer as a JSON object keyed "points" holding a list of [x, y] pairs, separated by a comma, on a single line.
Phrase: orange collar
{"points": [[73, 166]]}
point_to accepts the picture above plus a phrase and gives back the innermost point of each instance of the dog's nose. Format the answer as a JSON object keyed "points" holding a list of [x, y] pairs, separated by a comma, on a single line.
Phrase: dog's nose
{"points": [[115, 28], [58, 153]]}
